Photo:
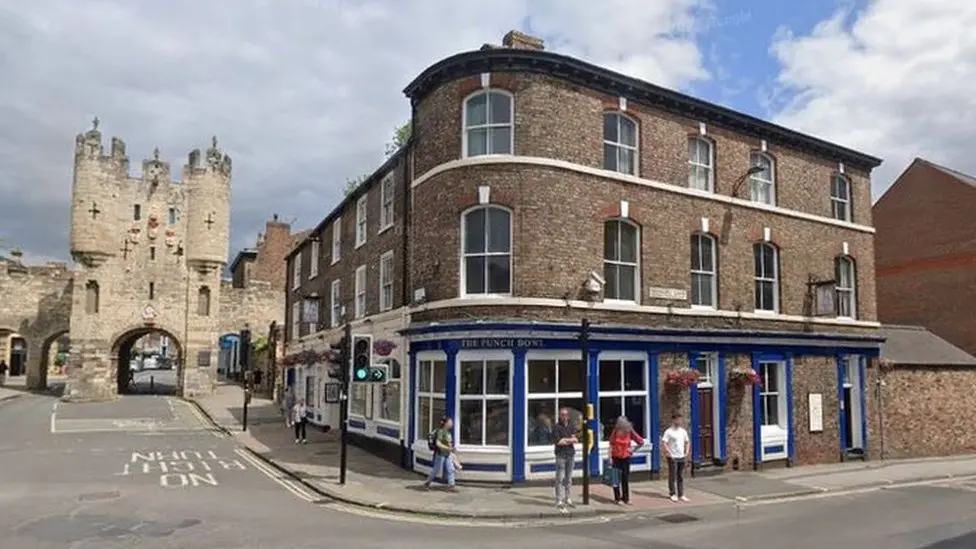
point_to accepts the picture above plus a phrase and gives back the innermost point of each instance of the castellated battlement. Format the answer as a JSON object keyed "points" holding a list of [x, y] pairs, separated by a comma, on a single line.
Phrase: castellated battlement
{"points": [[13, 267]]}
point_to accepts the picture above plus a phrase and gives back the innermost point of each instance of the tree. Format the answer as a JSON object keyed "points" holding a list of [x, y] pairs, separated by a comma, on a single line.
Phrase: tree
{"points": [[353, 182], [401, 135]]}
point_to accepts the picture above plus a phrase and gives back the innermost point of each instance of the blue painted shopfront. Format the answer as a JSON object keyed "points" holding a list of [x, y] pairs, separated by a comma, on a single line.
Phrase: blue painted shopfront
{"points": [[517, 460]]}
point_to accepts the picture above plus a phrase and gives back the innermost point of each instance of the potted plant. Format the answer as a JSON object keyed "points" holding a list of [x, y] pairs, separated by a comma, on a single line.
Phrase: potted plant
{"points": [[682, 378]]}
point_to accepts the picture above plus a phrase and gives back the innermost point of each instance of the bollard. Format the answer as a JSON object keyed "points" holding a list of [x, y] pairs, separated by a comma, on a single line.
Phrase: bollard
{"points": [[152, 383]]}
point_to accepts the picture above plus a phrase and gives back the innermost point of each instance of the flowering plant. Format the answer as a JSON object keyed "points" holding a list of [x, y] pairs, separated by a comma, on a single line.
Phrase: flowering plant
{"points": [[684, 378], [307, 357], [745, 376]]}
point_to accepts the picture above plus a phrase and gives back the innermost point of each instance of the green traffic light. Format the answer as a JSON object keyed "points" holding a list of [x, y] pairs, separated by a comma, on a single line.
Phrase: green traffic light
{"points": [[361, 373]]}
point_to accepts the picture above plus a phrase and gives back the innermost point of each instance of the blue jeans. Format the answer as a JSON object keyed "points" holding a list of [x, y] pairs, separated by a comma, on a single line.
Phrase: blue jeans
{"points": [[445, 463]]}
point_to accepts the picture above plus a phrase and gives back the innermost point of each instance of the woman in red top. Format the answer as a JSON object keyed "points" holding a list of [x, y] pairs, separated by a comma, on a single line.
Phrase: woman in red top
{"points": [[622, 441]]}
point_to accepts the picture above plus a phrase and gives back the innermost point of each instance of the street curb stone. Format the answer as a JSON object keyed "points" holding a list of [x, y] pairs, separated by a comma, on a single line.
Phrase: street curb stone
{"points": [[9, 398], [360, 502]]}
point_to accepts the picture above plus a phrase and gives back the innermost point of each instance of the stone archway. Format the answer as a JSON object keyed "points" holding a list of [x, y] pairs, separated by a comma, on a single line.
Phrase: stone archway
{"points": [[53, 320], [44, 356], [121, 354]]}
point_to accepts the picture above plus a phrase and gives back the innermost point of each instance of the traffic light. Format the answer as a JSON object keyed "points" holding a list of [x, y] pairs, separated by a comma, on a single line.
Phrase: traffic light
{"points": [[379, 373], [341, 352], [244, 349], [362, 357]]}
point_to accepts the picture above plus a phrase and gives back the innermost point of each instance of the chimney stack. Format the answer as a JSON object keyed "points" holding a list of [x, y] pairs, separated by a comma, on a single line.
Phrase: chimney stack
{"points": [[521, 41]]}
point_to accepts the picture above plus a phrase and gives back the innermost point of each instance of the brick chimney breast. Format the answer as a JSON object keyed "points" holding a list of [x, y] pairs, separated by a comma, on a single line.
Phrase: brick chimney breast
{"points": [[521, 41]]}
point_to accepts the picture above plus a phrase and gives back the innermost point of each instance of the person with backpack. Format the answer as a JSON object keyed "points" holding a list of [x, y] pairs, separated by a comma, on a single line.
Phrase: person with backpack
{"points": [[441, 442]]}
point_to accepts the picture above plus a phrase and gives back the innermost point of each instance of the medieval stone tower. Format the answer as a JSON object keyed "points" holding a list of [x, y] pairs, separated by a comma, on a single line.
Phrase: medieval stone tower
{"points": [[149, 253]]}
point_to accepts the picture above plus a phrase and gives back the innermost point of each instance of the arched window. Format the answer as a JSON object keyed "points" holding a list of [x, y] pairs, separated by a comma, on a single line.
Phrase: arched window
{"points": [[845, 274], [766, 258], [840, 198], [621, 250], [488, 123], [91, 297], [619, 143], [700, 164], [203, 301], [704, 271], [487, 251], [762, 185]]}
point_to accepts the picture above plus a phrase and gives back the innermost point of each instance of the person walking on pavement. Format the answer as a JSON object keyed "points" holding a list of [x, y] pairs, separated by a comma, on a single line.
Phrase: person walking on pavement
{"points": [[565, 435], [3, 372], [298, 417], [623, 440], [441, 442], [676, 444], [287, 404]]}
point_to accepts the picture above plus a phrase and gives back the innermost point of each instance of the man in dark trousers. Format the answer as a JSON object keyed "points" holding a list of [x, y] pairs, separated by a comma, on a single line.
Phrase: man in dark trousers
{"points": [[565, 435]]}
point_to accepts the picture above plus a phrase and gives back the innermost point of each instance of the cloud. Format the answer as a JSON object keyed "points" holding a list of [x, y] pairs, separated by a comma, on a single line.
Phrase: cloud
{"points": [[894, 79], [302, 93]]}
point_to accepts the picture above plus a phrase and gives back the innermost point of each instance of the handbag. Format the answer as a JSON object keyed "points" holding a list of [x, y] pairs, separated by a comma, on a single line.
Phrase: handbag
{"points": [[611, 475]]}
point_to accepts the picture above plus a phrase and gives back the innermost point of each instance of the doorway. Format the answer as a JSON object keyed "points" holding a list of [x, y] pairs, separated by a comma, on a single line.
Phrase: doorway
{"points": [[853, 439], [707, 366], [18, 356]]}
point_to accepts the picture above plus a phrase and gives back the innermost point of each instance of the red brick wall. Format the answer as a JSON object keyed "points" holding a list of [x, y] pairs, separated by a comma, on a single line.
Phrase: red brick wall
{"points": [[926, 254]]}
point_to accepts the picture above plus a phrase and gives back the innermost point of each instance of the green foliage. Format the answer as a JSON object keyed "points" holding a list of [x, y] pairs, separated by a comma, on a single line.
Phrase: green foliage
{"points": [[400, 137], [259, 344]]}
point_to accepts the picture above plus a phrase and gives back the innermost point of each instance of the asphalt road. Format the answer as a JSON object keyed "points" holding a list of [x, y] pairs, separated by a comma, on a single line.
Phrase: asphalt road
{"points": [[148, 470]]}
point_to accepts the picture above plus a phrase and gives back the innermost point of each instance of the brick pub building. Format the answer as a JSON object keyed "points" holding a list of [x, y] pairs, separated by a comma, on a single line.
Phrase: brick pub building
{"points": [[538, 190]]}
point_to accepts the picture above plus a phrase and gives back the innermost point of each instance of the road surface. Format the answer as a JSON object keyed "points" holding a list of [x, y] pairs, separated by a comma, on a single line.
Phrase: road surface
{"points": [[148, 470]]}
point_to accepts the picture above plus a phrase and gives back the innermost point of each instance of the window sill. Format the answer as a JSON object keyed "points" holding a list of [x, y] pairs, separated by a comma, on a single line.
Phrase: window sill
{"points": [[486, 155], [703, 308], [360, 245], [846, 319], [462, 449], [485, 296], [384, 229], [623, 302], [765, 312], [334, 261]]}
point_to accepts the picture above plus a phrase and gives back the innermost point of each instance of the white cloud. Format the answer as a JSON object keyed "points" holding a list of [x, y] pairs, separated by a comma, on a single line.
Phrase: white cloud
{"points": [[894, 80], [302, 93]]}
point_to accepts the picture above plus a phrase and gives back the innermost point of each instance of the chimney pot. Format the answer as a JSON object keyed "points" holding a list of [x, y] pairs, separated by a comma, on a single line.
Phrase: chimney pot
{"points": [[520, 41]]}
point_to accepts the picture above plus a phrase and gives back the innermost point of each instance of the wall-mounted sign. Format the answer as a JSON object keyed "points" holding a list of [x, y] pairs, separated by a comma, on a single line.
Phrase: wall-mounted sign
{"points": [[203, 359], [825, 298], [815, 404], [502, 343], [671, 294]]}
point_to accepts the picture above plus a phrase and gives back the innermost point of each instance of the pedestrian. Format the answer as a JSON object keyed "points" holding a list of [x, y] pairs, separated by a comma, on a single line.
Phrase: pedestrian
{"points": [[565, 435], [3, 372], [623, 440], [441, 442], [287, 404], [299, 415], [676, 444]]}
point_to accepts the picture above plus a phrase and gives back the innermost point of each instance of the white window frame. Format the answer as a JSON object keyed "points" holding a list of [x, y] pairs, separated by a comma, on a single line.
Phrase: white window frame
{"points": [[313, 264], [757, 180], [621, 357], [698, 165], [552, 397], [712, 275], [765, 278], [482, 356], [380, 392], [361, 220], [778, 433], [846, 293], [621, 147], [852, 381], [387, 193], [296, 271], [335, 305], [621, 263], [296, 319], [463, 290], [336, 240], [840, 207], [466, 129], [421, 431], [360, 285], [386, 281]]}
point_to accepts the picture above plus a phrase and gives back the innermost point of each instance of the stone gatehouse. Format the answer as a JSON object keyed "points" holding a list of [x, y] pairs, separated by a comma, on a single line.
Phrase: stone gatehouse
{"points": [[149, 256]]}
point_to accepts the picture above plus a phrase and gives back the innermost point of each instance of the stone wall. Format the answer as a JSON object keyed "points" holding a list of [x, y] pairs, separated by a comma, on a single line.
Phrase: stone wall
{"points": [[257, 305]]}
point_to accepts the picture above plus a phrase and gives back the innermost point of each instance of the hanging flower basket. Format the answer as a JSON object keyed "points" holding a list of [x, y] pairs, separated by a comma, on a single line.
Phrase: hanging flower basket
{"points": [[745, 377], [383, 347], [683, 378], [307, 357]]}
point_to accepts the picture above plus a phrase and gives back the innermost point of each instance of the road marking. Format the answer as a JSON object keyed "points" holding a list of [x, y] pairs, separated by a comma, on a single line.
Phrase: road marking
{"points": [[295, 488], [204, 421], [54, 416]]}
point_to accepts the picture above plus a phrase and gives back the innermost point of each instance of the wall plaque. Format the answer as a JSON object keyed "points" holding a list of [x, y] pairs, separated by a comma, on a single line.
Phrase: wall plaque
{"points": [[671, 294], [203, 359], [815, 405], [502, 343]]}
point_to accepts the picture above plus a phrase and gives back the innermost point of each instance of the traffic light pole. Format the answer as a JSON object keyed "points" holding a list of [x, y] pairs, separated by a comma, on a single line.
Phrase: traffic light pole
{"points": [[244, 355], [344, 405], [585, 351]]}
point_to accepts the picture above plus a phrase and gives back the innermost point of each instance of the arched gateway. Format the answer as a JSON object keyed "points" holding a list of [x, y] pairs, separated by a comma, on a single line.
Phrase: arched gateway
{"points": [[149, 252]]}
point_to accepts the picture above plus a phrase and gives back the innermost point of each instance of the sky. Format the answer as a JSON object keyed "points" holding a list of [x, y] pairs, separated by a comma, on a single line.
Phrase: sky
{"points": [[304, 94]]}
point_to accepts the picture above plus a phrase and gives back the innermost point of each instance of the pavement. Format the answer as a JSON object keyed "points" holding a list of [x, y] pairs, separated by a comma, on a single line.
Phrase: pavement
{"points": [[378, 484], [111, 483]]}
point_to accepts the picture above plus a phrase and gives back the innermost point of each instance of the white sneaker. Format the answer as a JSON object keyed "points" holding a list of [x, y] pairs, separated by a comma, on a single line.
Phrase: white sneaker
{"points": [[569, 503], [684, 498], [296, 441], [674, 498]]}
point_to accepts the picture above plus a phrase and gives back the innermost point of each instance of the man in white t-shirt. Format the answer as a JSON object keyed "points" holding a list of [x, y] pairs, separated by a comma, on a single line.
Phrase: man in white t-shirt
{"points": [[676, 444]]}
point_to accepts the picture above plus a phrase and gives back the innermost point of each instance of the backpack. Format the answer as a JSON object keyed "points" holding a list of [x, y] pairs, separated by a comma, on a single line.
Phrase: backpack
{"points": [[432, 440]]}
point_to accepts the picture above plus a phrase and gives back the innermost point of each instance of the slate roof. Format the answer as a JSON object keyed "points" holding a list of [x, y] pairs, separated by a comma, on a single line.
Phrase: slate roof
{"points": [[916, 346], [968, 179]]}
